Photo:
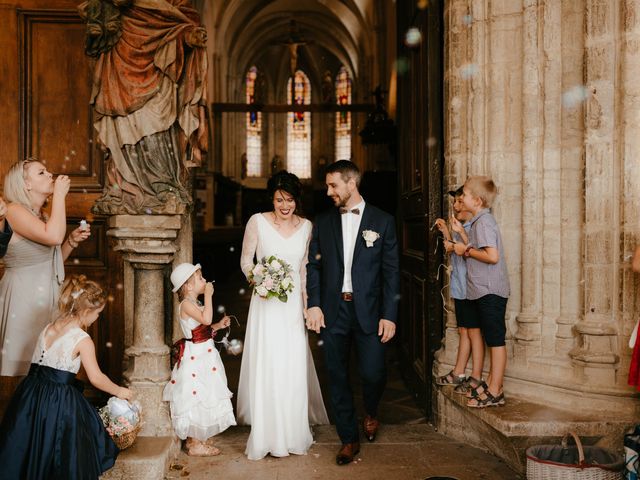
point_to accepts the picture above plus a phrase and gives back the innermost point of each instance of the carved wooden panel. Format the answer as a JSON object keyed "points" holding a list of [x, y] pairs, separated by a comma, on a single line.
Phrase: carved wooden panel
{"points": [[55, 80]]}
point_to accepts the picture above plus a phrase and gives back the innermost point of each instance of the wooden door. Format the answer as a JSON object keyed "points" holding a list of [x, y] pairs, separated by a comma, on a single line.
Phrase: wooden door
{"points": [[45, 113], [420, 162]]}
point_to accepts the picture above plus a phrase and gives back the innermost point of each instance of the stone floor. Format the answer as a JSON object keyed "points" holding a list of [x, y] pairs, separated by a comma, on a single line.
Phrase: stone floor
{"points": [[407, 448]]}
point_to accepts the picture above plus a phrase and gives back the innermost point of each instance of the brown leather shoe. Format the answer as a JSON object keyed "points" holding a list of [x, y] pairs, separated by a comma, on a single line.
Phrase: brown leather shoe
{"points": [[370, 427], [347, 452]]}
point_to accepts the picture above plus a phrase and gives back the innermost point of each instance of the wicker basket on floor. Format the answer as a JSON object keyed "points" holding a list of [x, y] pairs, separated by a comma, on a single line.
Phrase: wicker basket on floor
{"points": [[561, 462], [126, 439]]}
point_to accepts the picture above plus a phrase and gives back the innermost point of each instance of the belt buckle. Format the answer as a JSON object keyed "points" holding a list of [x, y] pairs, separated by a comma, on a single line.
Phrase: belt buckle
{"points": [[347, 296]]}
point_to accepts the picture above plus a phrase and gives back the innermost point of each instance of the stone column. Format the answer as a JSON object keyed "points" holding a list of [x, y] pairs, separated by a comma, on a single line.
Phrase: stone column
{"points": [[148, 246], [595, 354], [528, 320]]}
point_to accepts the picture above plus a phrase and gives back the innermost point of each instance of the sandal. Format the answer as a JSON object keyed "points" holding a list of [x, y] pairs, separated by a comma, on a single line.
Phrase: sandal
{"points": [[450, 379], [479, 390], [466, 386], [201, 449], [486, 399]]}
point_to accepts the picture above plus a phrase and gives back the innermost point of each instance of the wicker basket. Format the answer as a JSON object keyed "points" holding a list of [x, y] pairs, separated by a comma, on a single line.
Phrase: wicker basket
{"points": [[126, 439], [561, 462]]}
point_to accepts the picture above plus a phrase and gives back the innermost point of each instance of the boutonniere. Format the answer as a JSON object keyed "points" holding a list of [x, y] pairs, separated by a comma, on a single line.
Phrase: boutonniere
{"points": [[370, 236]]}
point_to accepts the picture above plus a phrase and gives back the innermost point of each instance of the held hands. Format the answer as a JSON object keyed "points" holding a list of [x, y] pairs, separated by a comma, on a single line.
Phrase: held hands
{"points": [[124, 393], [61, 186], [315, 319], [459, 248], [386, 329], [208, 289]]}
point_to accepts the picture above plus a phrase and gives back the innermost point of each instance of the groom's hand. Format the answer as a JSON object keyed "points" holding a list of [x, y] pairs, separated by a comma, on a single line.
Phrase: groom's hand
{"points": [[315, 319], [387, 329]]}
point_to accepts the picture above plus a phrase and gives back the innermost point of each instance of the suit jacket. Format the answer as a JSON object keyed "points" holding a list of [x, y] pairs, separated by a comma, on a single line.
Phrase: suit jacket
{"points": [[374, 271]]}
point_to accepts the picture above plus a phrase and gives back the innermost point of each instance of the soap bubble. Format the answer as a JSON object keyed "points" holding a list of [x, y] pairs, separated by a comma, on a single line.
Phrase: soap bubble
{"points": [[575, 96], [413, 37]]}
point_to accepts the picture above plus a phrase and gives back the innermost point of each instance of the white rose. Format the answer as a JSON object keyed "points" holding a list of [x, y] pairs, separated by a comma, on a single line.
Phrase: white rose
{"points": [[275, 264], [285, 283], [261, 291], [370, 236]]}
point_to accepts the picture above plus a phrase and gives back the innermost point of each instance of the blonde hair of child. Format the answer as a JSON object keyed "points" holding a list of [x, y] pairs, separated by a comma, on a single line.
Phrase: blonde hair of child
{"points": [[483, 188], [79, 294], [15, 187]]}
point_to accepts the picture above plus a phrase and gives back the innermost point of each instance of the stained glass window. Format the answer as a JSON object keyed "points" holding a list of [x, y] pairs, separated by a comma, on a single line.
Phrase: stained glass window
{"points": [[343, 119], [299, 128], [254, 128]]}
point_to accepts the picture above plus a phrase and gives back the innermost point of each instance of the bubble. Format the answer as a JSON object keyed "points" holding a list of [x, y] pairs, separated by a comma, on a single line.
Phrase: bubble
{"points": [[111, 298], [467, 19], [221, 309], [242, 291], [108, 344], [73, 152], [66, 158], [76, 261], [232, 249], [320, 343], [318, 256], [147, 337], [119, 286], [402, 65], [422, 4], [84, 190], [575, 96], [83, 167], [432, 142], [397, 297], [468, 70], [147, 211], [413, 37]]}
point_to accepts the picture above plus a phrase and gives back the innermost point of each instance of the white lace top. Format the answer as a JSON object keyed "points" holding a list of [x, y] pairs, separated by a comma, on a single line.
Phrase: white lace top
{"points": [[59, 354]]}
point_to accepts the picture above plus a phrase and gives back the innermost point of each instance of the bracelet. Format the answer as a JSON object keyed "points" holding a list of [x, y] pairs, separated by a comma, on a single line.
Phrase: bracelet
{"points": [[71, 244]]}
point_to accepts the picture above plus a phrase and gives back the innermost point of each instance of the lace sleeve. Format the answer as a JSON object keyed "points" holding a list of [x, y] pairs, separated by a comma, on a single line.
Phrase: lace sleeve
{"points": [[249, 245], [303, 267]]}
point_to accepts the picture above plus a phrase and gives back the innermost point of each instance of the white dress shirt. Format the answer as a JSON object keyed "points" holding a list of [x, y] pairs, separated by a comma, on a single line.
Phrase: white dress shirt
{"points": [[350, 227]]}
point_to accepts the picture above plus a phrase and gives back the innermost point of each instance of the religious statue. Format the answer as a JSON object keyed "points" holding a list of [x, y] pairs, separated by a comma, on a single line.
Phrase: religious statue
{"points": [[149, 100]]}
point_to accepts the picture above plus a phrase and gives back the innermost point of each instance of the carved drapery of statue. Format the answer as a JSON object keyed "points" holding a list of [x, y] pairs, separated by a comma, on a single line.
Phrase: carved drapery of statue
{"points": [[149, 99]]}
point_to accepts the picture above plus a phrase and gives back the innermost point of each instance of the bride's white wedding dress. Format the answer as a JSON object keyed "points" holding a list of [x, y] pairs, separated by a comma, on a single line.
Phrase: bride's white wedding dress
{"points": [[279, 394]]}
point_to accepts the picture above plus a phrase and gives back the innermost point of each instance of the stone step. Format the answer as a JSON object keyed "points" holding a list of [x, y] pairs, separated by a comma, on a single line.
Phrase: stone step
{"points": [[147, 458], [509, 430]]}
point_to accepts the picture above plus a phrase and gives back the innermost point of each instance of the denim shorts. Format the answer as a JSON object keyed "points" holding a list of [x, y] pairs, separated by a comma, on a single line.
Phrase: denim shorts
{"points": [[490, 311]]}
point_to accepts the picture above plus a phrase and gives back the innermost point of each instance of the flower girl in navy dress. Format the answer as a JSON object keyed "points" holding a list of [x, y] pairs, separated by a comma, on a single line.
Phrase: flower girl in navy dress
{"points": [[49, 429]]}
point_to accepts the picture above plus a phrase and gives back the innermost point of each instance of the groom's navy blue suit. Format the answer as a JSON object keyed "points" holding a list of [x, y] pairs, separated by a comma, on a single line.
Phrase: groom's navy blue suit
{"points": [[376, 282]]}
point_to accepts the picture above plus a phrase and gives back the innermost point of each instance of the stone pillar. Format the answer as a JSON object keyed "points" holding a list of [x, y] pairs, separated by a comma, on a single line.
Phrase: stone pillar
{"points": [[148, 246], [595, 354], [572, 177], [528, 320]]}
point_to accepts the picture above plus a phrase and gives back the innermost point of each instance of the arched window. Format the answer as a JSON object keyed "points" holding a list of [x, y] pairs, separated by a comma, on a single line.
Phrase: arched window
{"points": [[343, 119], [254, 128], [299, 128]]}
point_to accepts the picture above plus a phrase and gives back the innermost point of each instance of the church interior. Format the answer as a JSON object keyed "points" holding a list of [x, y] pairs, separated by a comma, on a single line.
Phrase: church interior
{"points": [[419, 94]]}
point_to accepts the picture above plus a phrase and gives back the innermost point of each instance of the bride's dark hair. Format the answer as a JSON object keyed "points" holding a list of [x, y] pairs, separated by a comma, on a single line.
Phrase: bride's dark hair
{"points": [[287, 182]]}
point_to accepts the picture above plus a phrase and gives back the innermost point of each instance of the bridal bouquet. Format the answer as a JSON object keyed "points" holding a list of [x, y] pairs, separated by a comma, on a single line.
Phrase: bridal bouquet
{"points": [[272, 278]]}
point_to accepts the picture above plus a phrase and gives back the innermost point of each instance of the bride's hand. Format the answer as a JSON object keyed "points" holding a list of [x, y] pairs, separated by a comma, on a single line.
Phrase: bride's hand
{"points": [[315, 319]]}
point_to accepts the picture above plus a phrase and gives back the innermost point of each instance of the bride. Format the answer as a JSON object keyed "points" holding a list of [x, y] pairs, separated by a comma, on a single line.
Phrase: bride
{"points": [[279, 394]]}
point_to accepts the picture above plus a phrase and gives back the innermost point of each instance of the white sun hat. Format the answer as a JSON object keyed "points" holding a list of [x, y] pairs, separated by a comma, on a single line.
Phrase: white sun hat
{"points": [[182, 273]]}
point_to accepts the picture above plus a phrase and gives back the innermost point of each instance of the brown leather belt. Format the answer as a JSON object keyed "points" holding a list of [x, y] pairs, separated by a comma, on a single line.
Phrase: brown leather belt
{"points": [[347, 296]]}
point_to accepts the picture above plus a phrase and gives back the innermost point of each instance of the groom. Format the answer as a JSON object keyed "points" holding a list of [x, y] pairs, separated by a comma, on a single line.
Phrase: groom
{"points": [[353, 286]]}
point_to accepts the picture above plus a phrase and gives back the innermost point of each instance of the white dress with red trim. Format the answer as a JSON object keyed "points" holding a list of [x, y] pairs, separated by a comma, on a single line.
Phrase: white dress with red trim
{"points": [[200, 400]]}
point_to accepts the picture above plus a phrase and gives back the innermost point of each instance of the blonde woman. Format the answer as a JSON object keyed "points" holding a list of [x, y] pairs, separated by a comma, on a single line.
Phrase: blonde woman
{"points": [[34, 262]]}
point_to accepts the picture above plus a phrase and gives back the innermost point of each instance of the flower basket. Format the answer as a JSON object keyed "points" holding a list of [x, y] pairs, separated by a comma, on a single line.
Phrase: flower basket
{"points": [[562, 462], [125, 440]]}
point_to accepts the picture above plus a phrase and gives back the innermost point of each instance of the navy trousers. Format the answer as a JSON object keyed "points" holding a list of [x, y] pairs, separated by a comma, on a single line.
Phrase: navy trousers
{"points": [[337, 340]]}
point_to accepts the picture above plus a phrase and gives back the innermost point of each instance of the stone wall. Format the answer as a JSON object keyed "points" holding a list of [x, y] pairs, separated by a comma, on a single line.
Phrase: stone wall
{"points": [[544, 96]]}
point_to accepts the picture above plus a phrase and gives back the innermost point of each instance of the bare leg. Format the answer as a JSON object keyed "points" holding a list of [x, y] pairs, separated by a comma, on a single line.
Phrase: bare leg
{"points": [[498, 366], [464, 351], [477, 352]]}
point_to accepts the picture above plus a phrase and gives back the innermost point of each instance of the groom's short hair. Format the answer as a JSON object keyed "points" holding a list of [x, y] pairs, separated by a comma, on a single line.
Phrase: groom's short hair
{"points": [[347, 170]]}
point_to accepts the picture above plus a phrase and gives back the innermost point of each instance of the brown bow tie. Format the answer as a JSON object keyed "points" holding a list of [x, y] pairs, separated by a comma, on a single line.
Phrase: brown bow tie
{"points": [[355, 211]]}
